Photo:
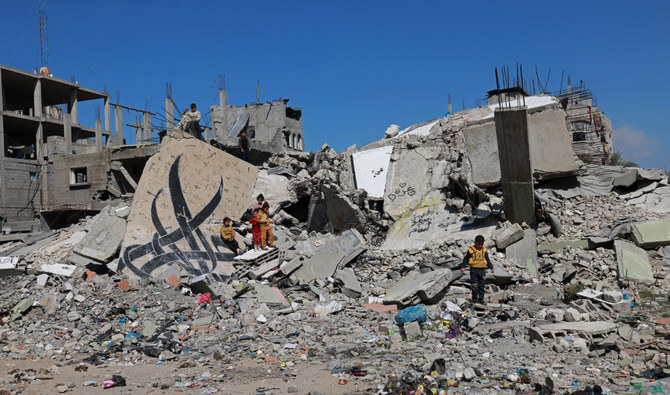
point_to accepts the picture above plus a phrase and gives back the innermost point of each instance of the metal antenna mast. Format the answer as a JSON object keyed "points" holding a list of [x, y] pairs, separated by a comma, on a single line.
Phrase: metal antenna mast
{"points": [[44, 34]]}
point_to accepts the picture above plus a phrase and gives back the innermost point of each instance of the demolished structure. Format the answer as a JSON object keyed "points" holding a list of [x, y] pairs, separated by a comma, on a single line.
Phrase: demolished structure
{"points": [[576, 299]]}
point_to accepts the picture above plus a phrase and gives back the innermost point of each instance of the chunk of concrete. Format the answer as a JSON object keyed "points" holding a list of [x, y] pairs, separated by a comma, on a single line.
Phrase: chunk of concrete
{"points": [[185, 185], [9, 266], [632, 262], [336, 253], [341, 211], [104, 238], [587, 328], [350, 285], [628, 178], [555, 247], [59, 269], [651, 234], [505, 236], [412, 330], [524, 252], [421, 288]]}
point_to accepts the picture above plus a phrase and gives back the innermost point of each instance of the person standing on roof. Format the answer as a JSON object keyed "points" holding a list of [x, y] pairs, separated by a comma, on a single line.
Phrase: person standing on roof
{"points": [[191, 121], [243, 144]]}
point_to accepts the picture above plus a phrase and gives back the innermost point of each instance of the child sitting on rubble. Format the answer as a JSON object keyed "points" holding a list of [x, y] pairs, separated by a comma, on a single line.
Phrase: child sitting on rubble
{"points": [[228, 236], [267, 237], [478, 260], [255, 229]]}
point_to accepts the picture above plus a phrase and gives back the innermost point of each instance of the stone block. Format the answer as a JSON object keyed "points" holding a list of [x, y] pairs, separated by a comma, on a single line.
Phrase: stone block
{"points": [[505, 236], [412, 331], [414, 289], [350, 285], [651, 234], [104, 237], [632, 262]]}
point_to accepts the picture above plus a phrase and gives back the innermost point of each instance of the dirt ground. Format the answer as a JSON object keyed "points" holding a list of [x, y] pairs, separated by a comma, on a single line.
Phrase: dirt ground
{"points": [[247, 377]]}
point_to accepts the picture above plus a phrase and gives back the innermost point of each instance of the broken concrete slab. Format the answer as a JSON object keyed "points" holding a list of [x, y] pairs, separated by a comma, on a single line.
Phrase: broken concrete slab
{"points": [[432, 222], [524, 252], [350, 284], [342, 212], [104, 237], [507, 235], [632, 262], [628, 178], [420, 288], [550, 248], [183, 187], [651, 234], [408, 179], [371, 168], [333, 255], [266, 294], [59, 269], [587, 328], [9, 266]]}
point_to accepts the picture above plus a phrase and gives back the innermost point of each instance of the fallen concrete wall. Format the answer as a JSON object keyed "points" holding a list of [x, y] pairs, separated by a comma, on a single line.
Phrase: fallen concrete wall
{"points": [[183, 187]]}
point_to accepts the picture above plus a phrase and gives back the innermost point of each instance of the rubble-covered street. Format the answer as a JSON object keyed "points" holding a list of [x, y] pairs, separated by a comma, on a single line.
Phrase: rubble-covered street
{"points": [[363, 292]]}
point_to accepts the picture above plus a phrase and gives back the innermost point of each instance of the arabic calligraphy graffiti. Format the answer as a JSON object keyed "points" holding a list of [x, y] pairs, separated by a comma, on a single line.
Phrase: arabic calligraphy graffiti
{"points": [[375, 173], [200, 258], [402, 191], [421, 223]]}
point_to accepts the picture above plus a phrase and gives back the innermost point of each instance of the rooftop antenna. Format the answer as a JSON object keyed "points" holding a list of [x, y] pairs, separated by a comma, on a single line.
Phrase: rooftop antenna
{"points": [[258, 93], [44, 37], [449, 103]]}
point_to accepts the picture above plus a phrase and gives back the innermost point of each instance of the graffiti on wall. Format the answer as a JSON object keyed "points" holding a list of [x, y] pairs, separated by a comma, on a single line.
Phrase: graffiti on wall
{"points": [[197, 255], [402, 190]]}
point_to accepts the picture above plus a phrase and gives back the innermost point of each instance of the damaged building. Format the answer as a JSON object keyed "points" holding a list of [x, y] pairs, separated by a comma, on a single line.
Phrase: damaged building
{"points": [[271, 127], [54, 169]]}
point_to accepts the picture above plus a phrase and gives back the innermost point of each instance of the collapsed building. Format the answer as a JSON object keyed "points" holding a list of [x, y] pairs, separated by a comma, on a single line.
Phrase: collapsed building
{"points": [[361, 235]]}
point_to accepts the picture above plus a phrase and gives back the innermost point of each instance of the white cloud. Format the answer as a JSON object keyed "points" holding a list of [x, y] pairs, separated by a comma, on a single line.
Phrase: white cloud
{"points": [[633, 143]]}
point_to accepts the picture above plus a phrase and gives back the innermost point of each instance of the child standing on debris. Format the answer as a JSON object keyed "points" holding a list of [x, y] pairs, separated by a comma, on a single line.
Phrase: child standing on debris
{"points": [[260, 199], [228, 236], [478, 260], [244, 146], [255, 229], [267, 238]]}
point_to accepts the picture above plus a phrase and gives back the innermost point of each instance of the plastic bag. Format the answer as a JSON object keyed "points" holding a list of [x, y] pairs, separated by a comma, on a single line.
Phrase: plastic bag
{"points": [[416, 313]]}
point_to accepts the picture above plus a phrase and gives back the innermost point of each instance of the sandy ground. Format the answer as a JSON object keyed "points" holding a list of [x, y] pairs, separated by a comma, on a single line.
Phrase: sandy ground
{"points": [[247, 377]]}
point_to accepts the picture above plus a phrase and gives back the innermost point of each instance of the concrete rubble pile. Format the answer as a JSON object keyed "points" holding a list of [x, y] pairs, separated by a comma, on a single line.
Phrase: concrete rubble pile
{"points": [[577, 302]]}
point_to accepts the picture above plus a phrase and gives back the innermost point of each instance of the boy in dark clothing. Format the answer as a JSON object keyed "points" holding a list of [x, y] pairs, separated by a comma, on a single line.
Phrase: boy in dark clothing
{"points": [[228, 236], [243, 144], [478, 260]]}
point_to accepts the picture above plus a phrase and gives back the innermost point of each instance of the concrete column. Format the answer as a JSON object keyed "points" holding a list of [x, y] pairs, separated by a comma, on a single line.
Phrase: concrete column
{"points": [[223, 110], [207, 136], [67, 132], [147, 128], [169, 115], [37, 98], [108, 116], [39, 142], [98, 135], [138, 134], [516, 169], [118, 122], [73, 107]]}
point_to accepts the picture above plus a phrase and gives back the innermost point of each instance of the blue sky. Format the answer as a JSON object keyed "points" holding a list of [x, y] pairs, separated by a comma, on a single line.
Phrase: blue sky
{"points": [[355, 67]]}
